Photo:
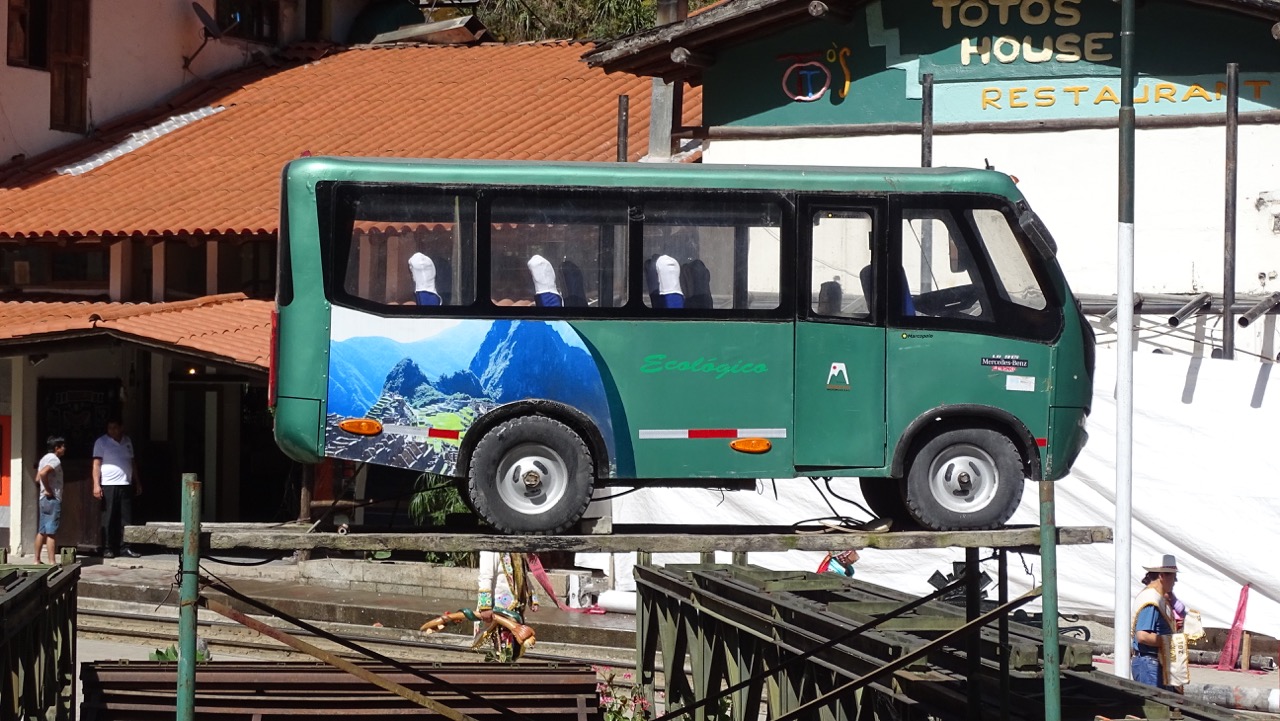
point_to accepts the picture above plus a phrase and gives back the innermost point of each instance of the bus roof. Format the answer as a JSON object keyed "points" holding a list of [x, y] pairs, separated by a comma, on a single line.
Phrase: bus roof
{"points": [[650, 175]]}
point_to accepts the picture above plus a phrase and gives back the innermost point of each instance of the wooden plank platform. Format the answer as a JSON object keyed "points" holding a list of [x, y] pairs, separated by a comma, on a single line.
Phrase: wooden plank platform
{"points": [[667, 539]]}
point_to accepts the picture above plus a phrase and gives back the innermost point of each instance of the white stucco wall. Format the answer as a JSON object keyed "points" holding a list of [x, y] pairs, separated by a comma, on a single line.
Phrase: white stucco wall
{"points": [[1070, 179], [136, 51]]}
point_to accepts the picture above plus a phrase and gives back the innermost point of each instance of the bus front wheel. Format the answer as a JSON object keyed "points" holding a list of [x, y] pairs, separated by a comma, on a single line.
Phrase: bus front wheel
{"points": [[965, 479], [530, 475]]}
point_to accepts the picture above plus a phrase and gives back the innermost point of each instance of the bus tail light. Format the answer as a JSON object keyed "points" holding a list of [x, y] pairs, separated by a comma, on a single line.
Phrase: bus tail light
{"points": [[273, 359], [361, 426], [751, 445]]}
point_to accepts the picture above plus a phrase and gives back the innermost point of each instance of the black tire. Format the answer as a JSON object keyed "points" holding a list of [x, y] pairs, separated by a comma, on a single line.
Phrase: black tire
{"points": [[884, 496], [514, 448], [940, 498]]}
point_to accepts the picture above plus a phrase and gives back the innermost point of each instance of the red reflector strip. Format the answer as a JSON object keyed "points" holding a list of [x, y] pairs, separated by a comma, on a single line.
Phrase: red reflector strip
{"points": [[687, 433], [1042, 442], [419, 432], [713, 433]]}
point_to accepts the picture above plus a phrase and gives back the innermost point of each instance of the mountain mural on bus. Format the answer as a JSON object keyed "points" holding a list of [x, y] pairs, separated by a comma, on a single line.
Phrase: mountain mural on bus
{"points": [[427, 380]]}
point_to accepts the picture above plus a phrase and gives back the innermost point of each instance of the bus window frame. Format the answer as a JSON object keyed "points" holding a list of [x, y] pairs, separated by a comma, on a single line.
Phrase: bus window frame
{"points": [[1009, 320], [877, 205], [329, 205]]}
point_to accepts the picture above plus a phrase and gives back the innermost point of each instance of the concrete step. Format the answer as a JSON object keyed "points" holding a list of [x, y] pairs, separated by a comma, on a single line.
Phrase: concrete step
{"points": [[357, 593]]}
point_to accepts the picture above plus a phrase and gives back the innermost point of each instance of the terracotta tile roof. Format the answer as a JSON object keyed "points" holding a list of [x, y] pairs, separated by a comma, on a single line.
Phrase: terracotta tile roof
{"points": [[227, 328], [219, 174]]}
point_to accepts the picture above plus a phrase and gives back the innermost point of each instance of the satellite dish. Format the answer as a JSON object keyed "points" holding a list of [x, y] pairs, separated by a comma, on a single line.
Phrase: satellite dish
{"points": [[211, 31]]}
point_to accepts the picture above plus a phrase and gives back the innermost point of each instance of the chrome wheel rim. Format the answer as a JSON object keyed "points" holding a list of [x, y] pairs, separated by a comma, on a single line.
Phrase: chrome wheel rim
{"points": [[519, 465], [963, 478]]}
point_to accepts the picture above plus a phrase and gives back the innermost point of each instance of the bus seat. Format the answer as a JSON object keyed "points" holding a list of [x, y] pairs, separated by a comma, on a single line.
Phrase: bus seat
{"points": [[423, 270], [575, 293], [545, 292], [651, 281], [908, 303], [696, 279], [831, 297], [669, 291], [444, 278]]}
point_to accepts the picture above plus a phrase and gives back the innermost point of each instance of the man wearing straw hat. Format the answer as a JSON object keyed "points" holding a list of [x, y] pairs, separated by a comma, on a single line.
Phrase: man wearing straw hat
{"points": [[1154, 617]]}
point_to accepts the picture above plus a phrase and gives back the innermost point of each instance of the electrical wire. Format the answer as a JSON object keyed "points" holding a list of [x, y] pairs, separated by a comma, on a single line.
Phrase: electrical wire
{"points": [[616, 495]]}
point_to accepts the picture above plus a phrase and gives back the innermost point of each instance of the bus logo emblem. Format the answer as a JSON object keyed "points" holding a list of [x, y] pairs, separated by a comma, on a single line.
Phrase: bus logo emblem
{"points": [[838, 371]]}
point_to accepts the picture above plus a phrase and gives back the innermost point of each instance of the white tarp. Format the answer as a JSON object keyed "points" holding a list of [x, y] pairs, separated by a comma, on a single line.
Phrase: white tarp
{"points": [[1206, 488]]}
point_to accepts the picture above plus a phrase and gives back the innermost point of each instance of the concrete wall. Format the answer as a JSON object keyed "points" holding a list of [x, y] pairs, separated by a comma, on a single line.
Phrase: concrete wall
{"points": [[136, 51]]}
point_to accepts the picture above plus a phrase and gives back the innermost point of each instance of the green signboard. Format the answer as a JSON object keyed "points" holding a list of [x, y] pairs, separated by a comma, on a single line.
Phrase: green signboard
{"points": [[992, 60]]}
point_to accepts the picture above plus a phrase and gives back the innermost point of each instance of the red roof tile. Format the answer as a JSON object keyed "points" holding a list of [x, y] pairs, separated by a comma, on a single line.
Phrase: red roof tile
{"points": [[220, 174], [228, 328]]}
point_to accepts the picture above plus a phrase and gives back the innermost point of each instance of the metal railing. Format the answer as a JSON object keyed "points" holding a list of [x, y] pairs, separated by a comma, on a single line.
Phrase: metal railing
{"points": [[38, 642]]}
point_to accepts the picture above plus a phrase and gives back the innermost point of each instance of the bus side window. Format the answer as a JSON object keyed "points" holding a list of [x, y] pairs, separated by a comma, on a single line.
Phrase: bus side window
{"points": [[409, 248], [555, 249], [727, 253], [938, 269], [840, 274]]}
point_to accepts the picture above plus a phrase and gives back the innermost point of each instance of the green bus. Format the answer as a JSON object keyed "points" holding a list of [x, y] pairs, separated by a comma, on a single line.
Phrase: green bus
{"points": [[540, 330]]}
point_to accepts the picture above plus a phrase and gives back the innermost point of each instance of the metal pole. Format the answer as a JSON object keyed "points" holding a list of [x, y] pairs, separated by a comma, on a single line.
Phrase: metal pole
{"points": [[926, 120], [1049, 603], [973, 645], [1003, 629], [188, 597], [1229, 226], [926, 161], [624, 126], [1259, 310], [1124, 344]]}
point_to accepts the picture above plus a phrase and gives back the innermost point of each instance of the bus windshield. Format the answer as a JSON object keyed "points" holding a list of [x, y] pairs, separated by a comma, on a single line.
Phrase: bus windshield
{"points": [[540, 331]]}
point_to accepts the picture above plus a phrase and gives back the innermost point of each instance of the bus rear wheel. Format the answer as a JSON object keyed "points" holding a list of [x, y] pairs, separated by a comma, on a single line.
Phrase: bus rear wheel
{"points": [[965, 479], [530, 475]]}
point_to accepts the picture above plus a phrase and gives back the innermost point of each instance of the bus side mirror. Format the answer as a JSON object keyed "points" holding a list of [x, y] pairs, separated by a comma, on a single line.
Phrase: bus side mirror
{"points": [[1037, 233]]}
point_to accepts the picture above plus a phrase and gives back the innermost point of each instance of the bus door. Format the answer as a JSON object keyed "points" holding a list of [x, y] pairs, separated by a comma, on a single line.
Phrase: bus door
{"points": [[840, 339], [971, 330]]}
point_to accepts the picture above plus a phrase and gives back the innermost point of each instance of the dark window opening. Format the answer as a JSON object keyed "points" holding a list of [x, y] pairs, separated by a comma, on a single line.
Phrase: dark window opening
{"points": [[256, 20], [53, 35], [247, 268], [39, 267], [29, 34], [184, 270]]}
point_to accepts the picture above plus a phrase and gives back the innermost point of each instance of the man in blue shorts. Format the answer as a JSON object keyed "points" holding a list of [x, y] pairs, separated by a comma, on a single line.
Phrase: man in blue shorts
{"points": [[49, 481]]}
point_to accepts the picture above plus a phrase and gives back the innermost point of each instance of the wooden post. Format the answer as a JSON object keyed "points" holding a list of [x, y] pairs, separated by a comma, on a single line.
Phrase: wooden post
{"points": [[304, 505], [1245, 651], [308, 486]]}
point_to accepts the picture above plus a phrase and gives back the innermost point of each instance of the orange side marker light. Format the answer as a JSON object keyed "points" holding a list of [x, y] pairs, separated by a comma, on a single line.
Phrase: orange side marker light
{"points": [[361, 426], [751, 445]]}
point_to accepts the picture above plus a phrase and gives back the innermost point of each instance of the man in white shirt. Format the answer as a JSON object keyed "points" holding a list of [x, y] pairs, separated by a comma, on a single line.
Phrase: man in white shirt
{"points": [[115, 482], [49, 481]]}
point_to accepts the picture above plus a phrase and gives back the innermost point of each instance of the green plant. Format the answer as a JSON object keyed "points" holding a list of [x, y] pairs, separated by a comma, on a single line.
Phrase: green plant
{"points": [[171, 654], [435, 498], [620, 700]]}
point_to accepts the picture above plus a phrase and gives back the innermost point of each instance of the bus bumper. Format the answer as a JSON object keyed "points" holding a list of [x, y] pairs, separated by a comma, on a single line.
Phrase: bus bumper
{"points": [[293, 418], [1067, 437]]}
